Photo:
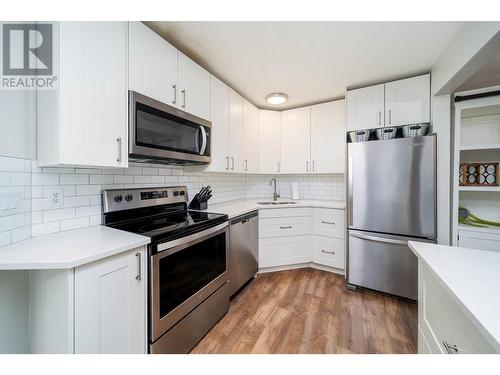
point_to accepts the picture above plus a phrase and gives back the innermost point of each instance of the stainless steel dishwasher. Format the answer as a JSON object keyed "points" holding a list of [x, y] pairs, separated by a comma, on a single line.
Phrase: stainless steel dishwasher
{"points": [[243, 250]]}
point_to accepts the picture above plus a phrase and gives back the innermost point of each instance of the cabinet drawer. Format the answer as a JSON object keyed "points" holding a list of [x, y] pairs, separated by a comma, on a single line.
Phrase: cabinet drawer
{"points": [[329, 222], [285, 226], [285, 212], [329, 251], [442, 320], [479, 240], [283, 251]]}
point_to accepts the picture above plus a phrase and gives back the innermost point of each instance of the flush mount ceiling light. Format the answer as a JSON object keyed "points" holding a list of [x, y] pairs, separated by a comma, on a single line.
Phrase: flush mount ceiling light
{"points": [[276, 98]]}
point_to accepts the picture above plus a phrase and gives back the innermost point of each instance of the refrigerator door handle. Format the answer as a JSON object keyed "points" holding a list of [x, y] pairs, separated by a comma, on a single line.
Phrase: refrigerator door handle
{"points": [[349, 191], [379, 239]]}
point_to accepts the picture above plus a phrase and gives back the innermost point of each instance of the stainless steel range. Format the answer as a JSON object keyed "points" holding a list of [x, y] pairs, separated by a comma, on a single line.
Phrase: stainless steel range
{"points": [[188, 279]]}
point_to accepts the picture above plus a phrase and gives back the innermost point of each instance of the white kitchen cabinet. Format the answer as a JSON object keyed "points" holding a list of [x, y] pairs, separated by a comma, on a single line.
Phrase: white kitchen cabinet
{"points": [[408, 101], [328, 251], [219, 147], [479, 238], [250, 137], [193, 87], [235, 132], [285, 226], [328, 137], [110, 305], [295, 140], [84, 121], [152, 64], [269, 142], [283, 251], [365, 108], [329, 222], [444, 328]]}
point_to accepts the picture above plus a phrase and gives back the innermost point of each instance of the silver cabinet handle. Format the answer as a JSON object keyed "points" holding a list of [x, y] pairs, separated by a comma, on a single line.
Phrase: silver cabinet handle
{"points": [[139, 274], [119, 158], [328, 222], [287, 227], [450, 349], [390, 116], [183, 98], [328, 252], [379, 118], [307, 165], [313, 166], [232, 162], [175, 94], [227, 162], [279, 167], [378, 239], [246, 165]]}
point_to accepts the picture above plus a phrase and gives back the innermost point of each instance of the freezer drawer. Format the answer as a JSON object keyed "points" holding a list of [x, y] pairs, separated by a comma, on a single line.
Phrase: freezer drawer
{"points": [[383, 263], [243, 250]]}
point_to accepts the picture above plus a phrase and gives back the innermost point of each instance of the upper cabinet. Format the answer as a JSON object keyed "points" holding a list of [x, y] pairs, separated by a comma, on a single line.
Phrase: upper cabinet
{"points": [[250, 137], [193, 83], [269, 142], [295, 140], [84, 121], [219, 147], [365, 108], [235, 132], [152, 64], [328, 137], [160, 71], [402, 102], [408, 101]]}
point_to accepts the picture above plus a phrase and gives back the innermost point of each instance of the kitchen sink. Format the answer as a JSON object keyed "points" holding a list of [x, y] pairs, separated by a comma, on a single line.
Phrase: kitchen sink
{"points": [[274, 203]]}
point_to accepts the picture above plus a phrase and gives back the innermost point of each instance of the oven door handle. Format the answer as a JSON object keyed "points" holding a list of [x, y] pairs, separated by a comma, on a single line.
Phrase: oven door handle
{"points": [[171, 247]]}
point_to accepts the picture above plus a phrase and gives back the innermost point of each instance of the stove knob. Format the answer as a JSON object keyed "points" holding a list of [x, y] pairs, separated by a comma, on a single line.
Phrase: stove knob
{"points": [[129, 197], [118, 198]]}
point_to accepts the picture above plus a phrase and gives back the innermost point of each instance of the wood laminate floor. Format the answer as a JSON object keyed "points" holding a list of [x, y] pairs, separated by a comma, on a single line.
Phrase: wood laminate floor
{"points": [[311, 311]]}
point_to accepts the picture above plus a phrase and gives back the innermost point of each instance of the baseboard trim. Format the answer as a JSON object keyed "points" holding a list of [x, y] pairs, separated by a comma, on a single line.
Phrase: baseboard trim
{"points": [[302, 265]]}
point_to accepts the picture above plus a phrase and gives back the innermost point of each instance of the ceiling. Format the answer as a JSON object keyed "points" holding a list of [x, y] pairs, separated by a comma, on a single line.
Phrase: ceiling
{"points": [[488, 75], [310, 61]]}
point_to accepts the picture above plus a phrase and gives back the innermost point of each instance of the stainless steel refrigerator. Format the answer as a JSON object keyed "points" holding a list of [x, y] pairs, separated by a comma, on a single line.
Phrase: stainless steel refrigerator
{"points": [[391, 200]]}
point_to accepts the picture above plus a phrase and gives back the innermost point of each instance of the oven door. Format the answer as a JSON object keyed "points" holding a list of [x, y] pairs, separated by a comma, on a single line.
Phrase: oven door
{"points": [[184, 273], [160, 131]]}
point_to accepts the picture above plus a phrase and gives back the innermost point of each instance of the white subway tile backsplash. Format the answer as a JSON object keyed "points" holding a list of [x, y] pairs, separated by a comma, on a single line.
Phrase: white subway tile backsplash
{"points": [[5, 178], [123, 179], [74, 179], [75, 223], [88, 189], [58, 214], [101, 179], [150, 171], [5, 238], [133, 170], [88, 211], [22, 233], [142, 179], [44, 179], [45, 228], [76, 201], [8, 164]]}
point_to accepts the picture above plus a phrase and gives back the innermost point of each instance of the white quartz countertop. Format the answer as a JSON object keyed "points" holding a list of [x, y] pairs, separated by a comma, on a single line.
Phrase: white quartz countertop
{"points": [[472, 277], [69, 249], [244, 206]]}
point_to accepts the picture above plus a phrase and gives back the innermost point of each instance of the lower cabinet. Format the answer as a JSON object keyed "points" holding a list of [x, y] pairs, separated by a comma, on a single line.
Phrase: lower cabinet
{"points": [[99, 307], [328, 251], [443, 327], [110, 300], [479, 238], [302, 236]]}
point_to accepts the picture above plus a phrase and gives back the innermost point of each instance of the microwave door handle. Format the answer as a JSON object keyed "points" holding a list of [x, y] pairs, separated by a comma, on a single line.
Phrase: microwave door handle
{"points": [[203, 140]]}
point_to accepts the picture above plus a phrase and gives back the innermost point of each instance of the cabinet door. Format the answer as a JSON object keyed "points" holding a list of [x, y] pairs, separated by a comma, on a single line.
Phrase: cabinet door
{"points": [[93, 94], [152, 64], [282, 251], [235, 131], [269, 142], [296, 140], [408, 101], [194, 87], [110, 304], [329, 252], [219, 146], [328, 137], [250, 137], [365, 108]]}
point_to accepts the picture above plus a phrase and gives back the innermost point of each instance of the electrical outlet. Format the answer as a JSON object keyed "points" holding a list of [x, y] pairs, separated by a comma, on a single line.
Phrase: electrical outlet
{"points": [[56, 198]]}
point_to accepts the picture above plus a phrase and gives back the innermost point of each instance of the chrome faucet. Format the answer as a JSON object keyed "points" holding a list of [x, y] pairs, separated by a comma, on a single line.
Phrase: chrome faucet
{"points": [[275, 195]]}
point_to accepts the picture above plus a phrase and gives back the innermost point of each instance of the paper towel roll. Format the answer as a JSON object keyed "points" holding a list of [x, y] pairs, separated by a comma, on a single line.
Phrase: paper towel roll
{"points": [[295, 191]]}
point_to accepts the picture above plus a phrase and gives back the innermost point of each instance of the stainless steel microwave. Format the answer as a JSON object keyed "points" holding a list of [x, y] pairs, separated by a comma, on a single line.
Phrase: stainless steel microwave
{"points": [[161, 133]]}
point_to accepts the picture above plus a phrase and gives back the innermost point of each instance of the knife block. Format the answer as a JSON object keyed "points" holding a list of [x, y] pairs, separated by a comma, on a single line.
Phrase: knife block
{"points": [[197, 205]]}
